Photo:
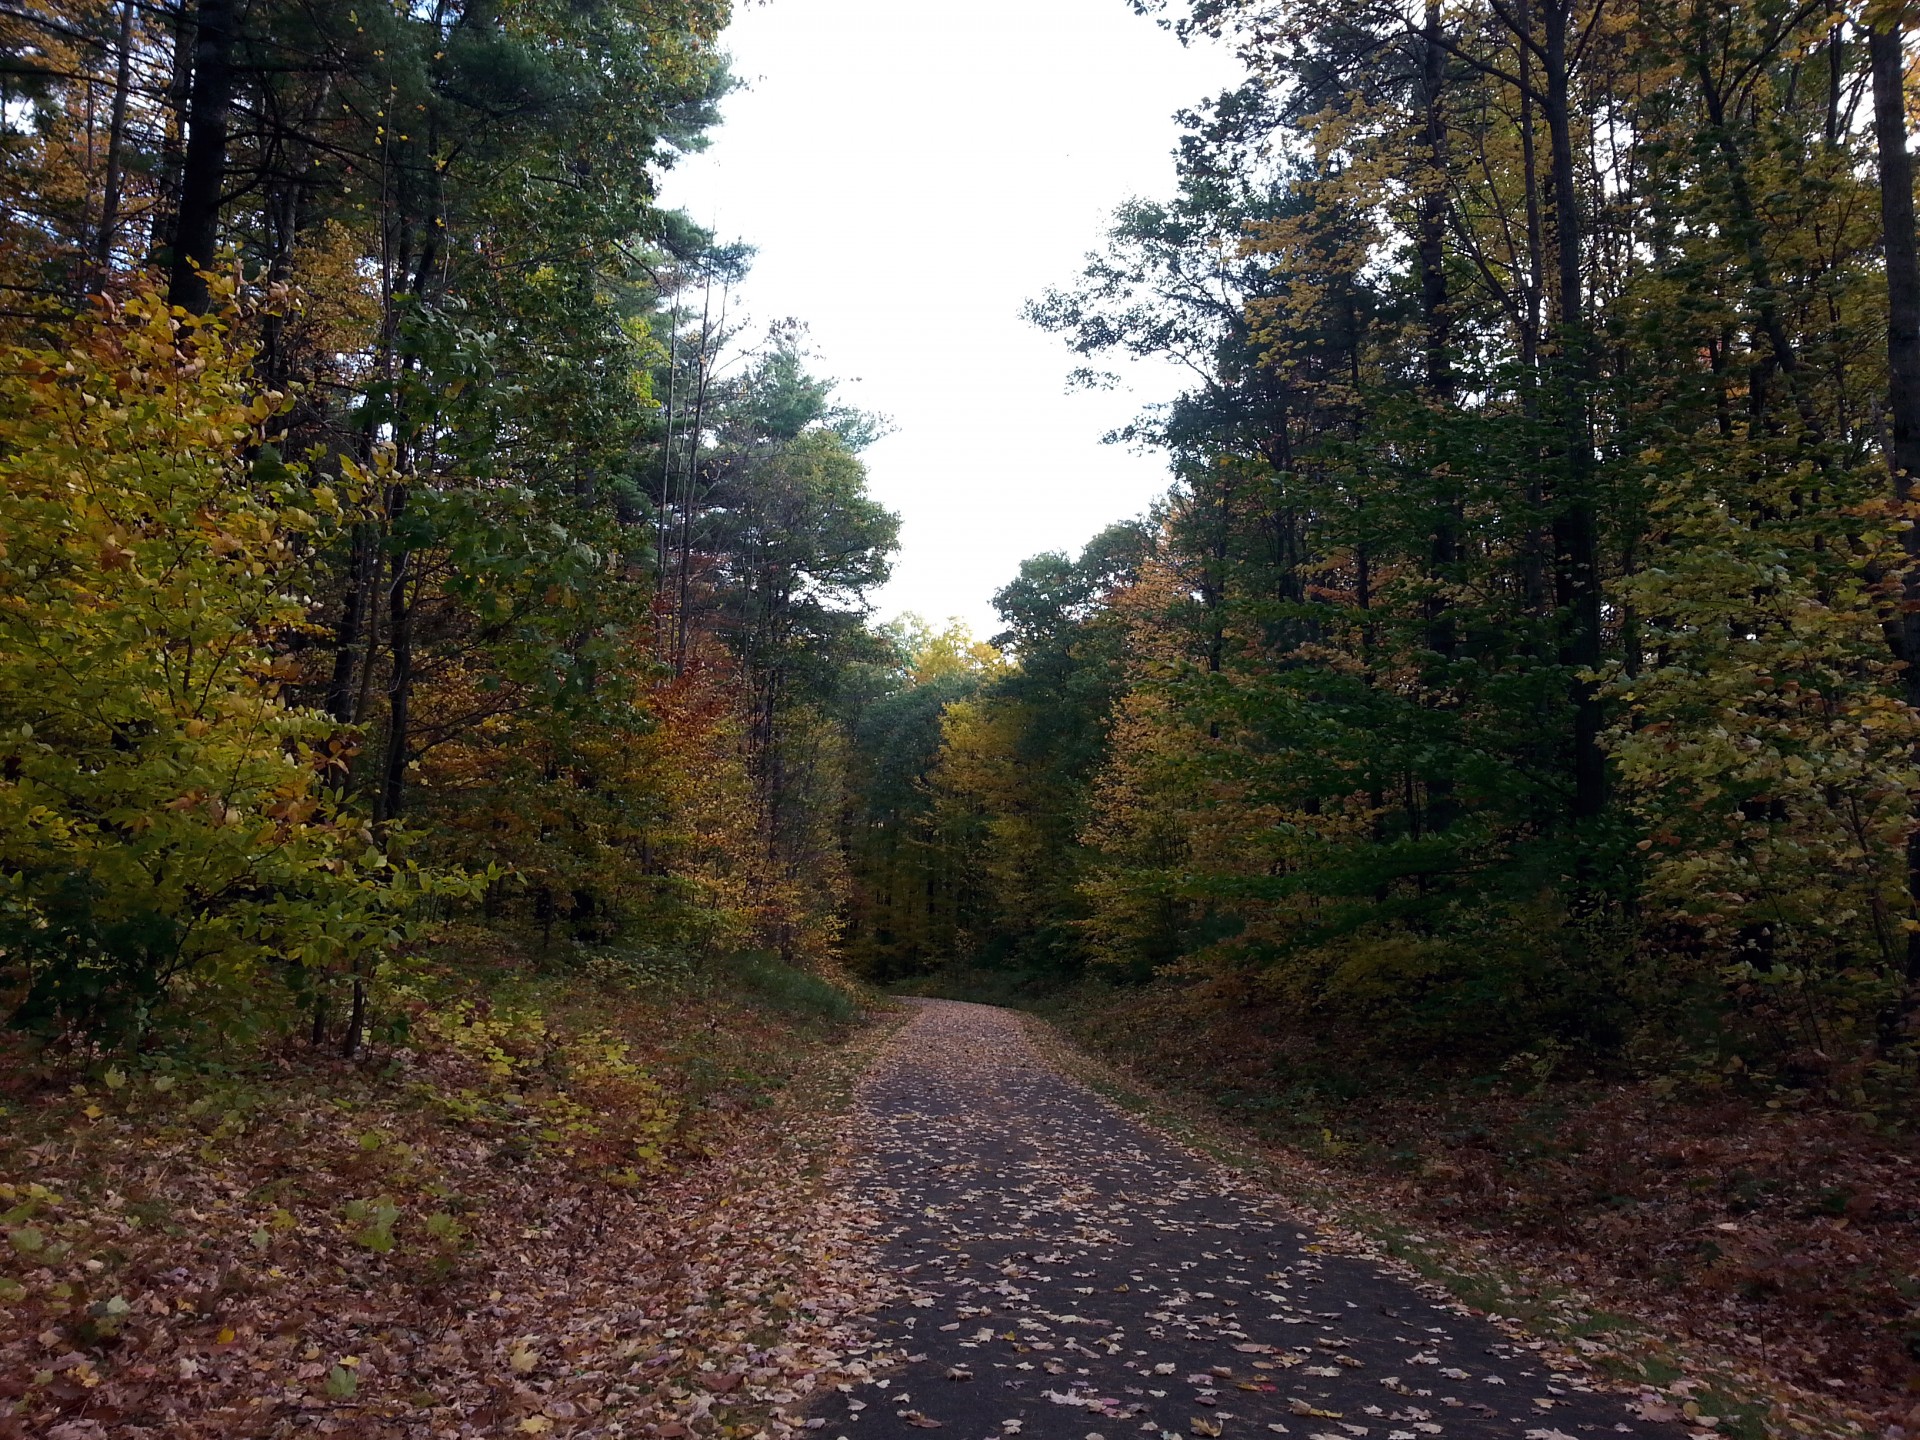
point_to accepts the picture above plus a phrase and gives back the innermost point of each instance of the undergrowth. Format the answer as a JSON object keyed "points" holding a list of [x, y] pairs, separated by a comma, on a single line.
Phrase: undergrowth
{"points": [[209, 1240]]}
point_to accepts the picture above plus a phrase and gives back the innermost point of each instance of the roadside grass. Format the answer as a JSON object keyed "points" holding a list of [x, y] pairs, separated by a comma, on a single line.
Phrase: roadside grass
{"points": [[794, 991]]}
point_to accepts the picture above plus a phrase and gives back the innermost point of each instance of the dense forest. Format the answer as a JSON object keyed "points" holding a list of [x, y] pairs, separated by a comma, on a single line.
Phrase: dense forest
{"points": [[421, 593], [1520, 660], [396, 519], [398, 525], [430, 629]]}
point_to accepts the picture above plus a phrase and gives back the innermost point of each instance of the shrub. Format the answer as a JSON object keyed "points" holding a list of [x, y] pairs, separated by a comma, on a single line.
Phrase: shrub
{"points": [[168, 835]]}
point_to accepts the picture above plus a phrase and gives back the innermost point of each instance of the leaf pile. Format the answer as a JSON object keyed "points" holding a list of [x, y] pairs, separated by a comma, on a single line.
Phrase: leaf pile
{"points": [[441, 1248]]}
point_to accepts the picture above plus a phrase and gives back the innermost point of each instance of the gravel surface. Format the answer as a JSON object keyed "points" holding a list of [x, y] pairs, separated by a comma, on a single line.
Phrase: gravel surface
{"points": [[1071, 1274]]}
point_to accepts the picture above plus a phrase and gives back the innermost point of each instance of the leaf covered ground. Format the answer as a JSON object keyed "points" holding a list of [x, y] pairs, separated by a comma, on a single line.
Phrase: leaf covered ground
{"points": [[591, 1206], [1780, 1234], [1071, 1273]]}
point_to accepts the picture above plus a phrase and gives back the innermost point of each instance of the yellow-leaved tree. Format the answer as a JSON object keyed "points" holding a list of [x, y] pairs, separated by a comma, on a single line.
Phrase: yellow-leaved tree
{"points": [[168, 835]]}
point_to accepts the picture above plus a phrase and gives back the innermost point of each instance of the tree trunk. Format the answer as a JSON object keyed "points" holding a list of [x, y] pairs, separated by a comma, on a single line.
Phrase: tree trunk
{"points": [[1762, 295], [1575, 529], [356, 1020], [353, 620], [1534, 559], [1903, 278], [196, 227], [173, 145], [1433, 212], [1436, 314], [1887, 60], [684, 598], [400, 681], [290, 213], [663, 522], [116, 151]]}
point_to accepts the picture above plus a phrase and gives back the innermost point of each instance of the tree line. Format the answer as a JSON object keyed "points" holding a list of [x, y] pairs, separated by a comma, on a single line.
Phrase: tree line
{"points": [[1525, 655], [398, 515]]}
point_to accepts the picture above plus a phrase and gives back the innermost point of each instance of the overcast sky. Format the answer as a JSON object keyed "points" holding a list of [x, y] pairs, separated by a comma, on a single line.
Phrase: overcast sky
{"points": [[911, 173]]}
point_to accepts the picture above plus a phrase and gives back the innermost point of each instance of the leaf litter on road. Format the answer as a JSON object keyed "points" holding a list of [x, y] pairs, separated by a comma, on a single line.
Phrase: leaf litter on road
{"points": [[1043, 1236]]}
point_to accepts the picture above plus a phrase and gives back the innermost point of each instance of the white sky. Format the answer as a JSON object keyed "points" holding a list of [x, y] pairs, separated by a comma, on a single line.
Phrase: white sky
{"points": [[911, 173]]}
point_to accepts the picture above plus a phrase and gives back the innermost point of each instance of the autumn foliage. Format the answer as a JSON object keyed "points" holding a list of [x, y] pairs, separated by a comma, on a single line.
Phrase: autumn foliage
{"points": [[173, 832], [1520, 663], [429, 632]]}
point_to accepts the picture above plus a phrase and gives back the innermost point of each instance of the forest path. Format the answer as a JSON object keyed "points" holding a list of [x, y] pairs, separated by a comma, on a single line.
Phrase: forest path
{"points": [[1071, 1274]]}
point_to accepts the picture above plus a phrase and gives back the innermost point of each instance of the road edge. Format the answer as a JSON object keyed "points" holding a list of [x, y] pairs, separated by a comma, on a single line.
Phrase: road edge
{"points": [[1618, 1349]]}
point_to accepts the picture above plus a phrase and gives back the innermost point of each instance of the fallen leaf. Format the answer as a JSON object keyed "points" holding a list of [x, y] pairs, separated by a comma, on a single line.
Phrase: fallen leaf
{"points": [[1301, 1407]]}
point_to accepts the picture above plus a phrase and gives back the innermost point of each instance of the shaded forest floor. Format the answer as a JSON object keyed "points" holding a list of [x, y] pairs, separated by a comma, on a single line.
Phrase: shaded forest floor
{"points": [[1784, 1239], [603, 1200], [608, 1196]]}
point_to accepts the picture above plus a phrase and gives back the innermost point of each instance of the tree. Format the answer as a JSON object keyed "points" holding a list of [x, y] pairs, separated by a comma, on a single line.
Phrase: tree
{"points": [[171, 829]]}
